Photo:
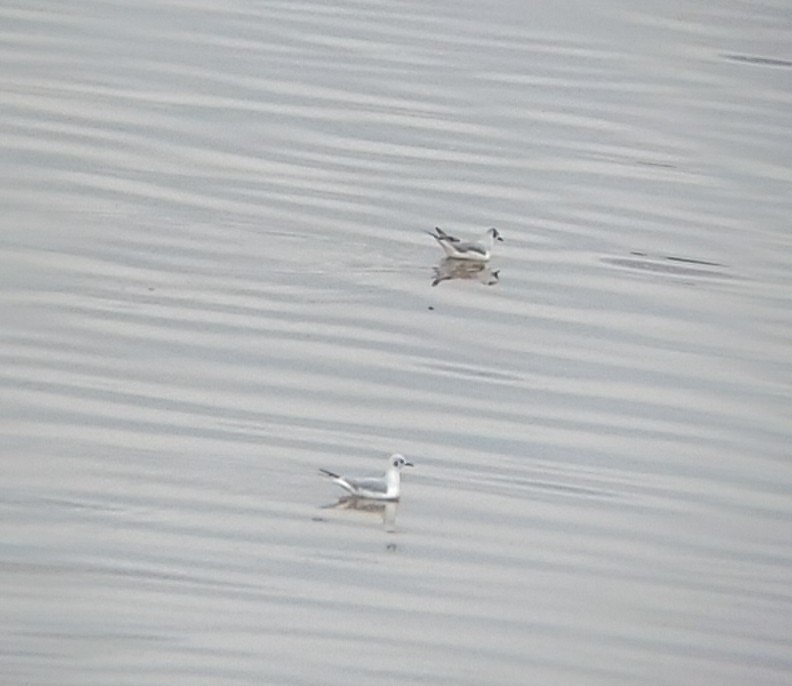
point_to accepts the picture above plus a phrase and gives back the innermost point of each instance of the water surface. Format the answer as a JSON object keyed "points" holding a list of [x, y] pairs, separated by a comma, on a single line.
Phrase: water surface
{"points": [[215, 280]]}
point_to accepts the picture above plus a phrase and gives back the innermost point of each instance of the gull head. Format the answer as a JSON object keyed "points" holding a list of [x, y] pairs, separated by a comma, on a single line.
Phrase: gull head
{"points": [[397, 462], [495, 234]]}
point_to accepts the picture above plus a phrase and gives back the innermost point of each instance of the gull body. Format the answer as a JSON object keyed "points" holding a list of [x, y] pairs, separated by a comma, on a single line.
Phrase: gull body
{"points": [[387, 487], [457, 249]]}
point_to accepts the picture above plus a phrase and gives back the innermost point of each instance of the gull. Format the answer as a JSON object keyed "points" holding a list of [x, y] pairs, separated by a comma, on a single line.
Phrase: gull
{"points": [[457, 249], [385, 487]]}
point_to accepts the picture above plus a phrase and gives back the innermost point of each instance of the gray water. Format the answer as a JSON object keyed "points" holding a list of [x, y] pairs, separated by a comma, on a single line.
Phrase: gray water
{"points": [[215, 279]]}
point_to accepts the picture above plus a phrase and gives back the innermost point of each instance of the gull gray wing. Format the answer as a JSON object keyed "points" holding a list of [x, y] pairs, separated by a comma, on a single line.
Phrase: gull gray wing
{"points": [[471, 247], [371, 484]]}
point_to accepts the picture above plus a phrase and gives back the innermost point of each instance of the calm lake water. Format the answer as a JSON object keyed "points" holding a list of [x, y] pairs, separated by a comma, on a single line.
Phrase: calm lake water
{"points": [[216, 280]]}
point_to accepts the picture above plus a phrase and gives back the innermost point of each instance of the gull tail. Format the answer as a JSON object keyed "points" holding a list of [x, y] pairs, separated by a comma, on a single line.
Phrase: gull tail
{"points": [[439, 239], [443, 236]]}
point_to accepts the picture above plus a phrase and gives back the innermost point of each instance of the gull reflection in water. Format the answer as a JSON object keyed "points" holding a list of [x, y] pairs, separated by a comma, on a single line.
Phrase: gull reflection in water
{"points": [[386, 509], [449, 269]]}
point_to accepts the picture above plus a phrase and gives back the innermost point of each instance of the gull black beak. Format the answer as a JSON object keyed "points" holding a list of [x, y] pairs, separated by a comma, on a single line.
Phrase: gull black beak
{"points": [[409, 464]]}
